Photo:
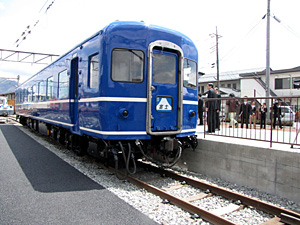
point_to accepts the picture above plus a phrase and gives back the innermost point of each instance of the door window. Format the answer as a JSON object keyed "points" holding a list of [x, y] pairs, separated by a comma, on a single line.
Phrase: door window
{"points": [[164, 69]]}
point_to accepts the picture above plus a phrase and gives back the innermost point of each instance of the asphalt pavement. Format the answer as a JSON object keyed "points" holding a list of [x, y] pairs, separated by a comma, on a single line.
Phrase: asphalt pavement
{"points": [[37, 187]]}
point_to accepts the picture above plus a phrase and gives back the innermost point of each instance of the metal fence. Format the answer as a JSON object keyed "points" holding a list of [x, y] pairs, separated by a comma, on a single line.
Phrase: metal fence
{"points": [[273, 119]]}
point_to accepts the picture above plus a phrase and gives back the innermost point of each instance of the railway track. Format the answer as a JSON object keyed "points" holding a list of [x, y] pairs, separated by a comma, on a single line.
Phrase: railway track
{"points": [[216, 216]]}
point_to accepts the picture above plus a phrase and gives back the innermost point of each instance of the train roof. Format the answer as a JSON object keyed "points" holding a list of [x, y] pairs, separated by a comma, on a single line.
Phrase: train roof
{"points": [[122, 26]]}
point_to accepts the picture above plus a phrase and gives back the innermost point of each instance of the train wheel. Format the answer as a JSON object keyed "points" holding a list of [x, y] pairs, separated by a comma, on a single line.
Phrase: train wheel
{"points": [[79, 144], [62, 136]]}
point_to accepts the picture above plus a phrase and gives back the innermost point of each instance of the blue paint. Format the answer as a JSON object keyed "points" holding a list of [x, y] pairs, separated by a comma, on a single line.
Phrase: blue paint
{"points": [[96, 111]]}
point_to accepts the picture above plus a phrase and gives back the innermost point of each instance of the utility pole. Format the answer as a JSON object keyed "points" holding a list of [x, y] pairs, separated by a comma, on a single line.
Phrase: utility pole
{"points": [[217, 52], [217, 55], [268, 59]]}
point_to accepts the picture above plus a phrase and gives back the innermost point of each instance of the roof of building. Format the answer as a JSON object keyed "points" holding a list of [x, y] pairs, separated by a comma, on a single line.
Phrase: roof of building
{"points": [[224, 92], [263, 72], [229, 75], [236, 75]]}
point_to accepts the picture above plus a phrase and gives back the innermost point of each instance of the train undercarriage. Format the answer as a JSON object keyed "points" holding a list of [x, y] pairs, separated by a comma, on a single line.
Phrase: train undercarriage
{"points": [[121, 154]]}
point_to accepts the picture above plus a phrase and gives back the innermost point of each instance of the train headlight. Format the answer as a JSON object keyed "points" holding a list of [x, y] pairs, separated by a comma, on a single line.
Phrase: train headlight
{"points": [[192, 113], [124, 113]]}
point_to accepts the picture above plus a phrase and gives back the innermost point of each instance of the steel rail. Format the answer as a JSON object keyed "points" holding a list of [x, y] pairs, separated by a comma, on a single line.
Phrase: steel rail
{"points": [[245, 200], [206, 215], [210, 217]]}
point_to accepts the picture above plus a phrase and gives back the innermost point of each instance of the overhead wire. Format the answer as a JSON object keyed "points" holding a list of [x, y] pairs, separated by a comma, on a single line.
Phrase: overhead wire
{"points": [[29, 28], [247, 35], [291, 30]]}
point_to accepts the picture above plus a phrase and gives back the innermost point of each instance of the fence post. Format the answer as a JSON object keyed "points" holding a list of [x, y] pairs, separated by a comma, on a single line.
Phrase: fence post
{"points": [[271, 111]]}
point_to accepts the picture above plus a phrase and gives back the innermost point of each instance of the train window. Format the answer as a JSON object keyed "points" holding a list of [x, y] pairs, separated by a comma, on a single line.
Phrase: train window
{"points": [[34, 93], [63, 85], [94, 71], [42, 90], [29, 94], [164, 69], [190, 74], [127, 65], [24, 96], [49, 88]]}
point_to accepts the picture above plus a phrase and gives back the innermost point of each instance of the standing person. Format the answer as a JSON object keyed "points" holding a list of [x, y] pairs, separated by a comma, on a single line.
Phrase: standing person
{"points": [[218, 109], [263, 112], [211, 108], [232, 104], [277, 114], [253, 115], [200, 109], [245, 111]]}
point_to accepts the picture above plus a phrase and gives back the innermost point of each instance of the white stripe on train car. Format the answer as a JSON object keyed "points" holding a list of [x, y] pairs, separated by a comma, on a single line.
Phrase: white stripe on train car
{"points": [[188, 130], [103, 99], [188, 102], [113, 99], [115, 132], [53, 121]]}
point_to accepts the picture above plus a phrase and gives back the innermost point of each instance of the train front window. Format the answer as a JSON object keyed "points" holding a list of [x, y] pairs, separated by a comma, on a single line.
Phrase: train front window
{"points": [[127, 65], [190, 74]]}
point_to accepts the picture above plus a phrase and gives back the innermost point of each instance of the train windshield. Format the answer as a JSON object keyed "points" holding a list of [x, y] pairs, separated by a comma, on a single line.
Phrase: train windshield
{"points": [[190, 74]]}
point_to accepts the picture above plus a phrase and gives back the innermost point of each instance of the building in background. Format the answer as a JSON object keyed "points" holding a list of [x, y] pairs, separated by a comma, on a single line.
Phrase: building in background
{"points": [[251, 83]]}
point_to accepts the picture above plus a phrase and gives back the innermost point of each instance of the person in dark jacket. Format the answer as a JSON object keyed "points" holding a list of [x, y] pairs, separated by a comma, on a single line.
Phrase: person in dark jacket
{"points": [[218, 109], [211, 108], [277, 114], [232, 104], [200, 109], [245, 112], [263, 112]]}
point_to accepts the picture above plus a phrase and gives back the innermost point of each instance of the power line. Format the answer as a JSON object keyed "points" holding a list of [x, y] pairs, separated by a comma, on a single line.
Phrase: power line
{"points": [[287, 27], [247, 35], [29, 28]]}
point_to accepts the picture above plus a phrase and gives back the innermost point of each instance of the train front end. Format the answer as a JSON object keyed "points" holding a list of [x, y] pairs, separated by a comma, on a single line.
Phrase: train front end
{"points": [[154, 71]]}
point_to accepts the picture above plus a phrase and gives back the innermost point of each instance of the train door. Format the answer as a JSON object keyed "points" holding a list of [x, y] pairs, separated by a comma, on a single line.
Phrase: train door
{"points": [[74, 94], [164, 107]]}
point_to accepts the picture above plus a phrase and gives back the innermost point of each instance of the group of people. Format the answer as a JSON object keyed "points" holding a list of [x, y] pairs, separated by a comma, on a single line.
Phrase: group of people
{"points": [[247, 112]]}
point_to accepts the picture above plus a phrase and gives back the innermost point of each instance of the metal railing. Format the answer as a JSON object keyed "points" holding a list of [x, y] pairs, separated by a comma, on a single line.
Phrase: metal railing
{"points": [[282, 119]]}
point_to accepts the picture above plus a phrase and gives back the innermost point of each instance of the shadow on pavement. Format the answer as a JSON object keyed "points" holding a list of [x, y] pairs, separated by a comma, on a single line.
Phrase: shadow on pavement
{"points": [[45, 171]]}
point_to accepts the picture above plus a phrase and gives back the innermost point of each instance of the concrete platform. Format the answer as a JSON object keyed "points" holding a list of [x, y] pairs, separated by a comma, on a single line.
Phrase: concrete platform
{"points": [[251, 163], [37, 187]]}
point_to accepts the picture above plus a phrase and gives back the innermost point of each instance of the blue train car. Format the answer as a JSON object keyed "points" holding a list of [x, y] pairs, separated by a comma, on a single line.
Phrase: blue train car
{"points": [[129, 86]]}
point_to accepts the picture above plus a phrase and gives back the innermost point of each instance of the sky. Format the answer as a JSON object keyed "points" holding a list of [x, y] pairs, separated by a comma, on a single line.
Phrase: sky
{"points": [[242, 42]]}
